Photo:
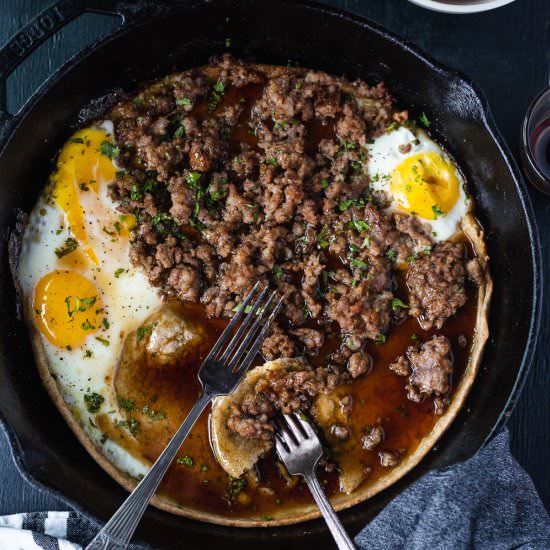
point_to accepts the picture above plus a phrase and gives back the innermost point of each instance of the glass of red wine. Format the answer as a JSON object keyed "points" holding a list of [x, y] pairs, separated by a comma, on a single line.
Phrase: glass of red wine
{"points": [[535, 141]]}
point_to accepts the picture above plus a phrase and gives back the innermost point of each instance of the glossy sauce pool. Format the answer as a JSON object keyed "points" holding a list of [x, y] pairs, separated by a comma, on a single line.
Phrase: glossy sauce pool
{"points": [[162, 398]]}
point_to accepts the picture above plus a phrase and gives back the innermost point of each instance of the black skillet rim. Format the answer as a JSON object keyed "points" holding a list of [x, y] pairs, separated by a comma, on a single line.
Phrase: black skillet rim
{"points": [[163, 8]]}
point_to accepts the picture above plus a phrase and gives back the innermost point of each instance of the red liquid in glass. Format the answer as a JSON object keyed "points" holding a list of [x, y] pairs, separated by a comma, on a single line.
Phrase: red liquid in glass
{"points": [[540, 146]]}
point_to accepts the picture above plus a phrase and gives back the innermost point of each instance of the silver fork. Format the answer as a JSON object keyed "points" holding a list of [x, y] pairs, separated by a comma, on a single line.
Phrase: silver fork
{"points": [[218, 375], [300, 450]]}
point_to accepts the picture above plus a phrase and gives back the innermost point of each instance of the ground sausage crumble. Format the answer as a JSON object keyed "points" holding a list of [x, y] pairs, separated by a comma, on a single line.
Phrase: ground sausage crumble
{"points": [[235, 175]]}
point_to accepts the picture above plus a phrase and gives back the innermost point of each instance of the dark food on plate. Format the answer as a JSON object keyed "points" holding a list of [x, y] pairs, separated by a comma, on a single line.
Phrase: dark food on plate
{"points": [[319, 187]]}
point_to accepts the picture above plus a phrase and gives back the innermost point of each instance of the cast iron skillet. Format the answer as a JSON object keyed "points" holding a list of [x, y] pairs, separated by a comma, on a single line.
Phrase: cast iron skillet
{"points": [[157, 37]]}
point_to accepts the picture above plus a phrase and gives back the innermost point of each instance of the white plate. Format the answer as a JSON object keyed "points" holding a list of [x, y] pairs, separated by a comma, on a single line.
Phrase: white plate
{"points": [[458, 6]]}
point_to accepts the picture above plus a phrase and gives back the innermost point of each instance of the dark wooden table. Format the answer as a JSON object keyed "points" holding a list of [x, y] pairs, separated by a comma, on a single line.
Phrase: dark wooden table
{"points": [[507, 51]]}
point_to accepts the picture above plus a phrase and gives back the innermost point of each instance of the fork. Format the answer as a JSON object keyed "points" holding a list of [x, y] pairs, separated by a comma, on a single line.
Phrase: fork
{"points": [[218, 375], [300, 450]]}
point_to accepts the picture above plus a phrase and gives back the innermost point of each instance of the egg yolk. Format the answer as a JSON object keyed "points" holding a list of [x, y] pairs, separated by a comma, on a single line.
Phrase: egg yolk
{"points": [[68, 307], [83, 164], [425, 185]]}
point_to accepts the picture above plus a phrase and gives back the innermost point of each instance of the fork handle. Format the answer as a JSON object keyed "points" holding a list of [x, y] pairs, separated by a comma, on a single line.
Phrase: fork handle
{"points": [[336, 528], [118, 531]]}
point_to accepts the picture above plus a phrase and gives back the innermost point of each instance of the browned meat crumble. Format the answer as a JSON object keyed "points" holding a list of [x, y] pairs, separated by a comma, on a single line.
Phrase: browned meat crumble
{"points": [[237, 173], [282, 390], [437, 285], [429, 368], [373, 438]]}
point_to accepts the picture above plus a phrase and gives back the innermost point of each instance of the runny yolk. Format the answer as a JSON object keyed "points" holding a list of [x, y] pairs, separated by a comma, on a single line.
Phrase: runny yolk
{"points": [[426, 185], [81, 168], [68, 308]]}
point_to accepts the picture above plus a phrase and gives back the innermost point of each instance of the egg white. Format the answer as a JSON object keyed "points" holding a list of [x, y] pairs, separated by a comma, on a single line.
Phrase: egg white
{"points": [[385, 156], [128, 300]]}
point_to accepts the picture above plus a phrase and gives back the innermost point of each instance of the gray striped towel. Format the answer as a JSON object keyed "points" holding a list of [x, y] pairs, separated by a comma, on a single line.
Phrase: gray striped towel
{"points": [[487, 502], [48, 531], [44, 531]]}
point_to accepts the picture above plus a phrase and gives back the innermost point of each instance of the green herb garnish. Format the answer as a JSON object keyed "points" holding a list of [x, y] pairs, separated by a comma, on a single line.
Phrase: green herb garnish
{"points": [[141, 332], [424, 119], [109, 150], [70, 245], [396, 303], [185, 460], [93, 402]]}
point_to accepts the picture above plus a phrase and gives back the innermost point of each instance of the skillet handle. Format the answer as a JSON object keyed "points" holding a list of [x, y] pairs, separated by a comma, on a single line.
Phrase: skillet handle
{"points": [[46, 24]]}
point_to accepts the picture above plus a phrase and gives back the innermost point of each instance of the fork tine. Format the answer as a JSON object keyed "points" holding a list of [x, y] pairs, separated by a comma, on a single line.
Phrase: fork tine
{"points": [[260, 318], [244, 328], [306, 426], [229, 328], [286, 433], [257, 344], [296, 422], [280, 446]]}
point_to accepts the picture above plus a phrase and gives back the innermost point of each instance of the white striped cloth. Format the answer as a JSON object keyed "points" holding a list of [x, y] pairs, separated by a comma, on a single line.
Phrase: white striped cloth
{"points": [[43, 531], [47, 531]]}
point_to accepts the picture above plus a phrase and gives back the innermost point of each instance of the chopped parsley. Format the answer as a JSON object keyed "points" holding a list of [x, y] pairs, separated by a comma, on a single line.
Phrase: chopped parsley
{"points": [[180, 132], [216, 95], [228, 42], [324, 183], [119, 272], [192, 179], [185, 460], [359, 225], [86, 325], [437, 211], [135, 193], [238, 307], [234, 486], [321, 238], [128, 404], [392, 127], [345, 204], [391, 255], [277, 271], [108, 149], [141, 332], [93, 402], [272, 161], [396, 303], [82, 304], [104, 341], [380, 339], [356, 262], [76, 140], [164, 224], [424, 119], [183, 101], [132, 425], [70, 245]]}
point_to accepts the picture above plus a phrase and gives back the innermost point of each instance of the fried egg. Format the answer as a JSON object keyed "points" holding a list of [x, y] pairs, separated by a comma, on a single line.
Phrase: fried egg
{"points": [[419, 178], [80, 291]]}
